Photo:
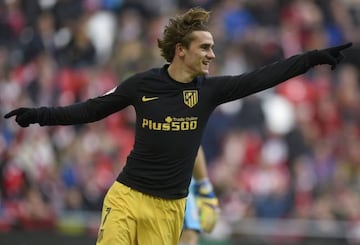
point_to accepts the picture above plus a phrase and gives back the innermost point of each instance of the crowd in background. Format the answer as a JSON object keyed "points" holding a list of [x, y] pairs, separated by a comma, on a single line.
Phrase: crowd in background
{"points": [[289, 152]]}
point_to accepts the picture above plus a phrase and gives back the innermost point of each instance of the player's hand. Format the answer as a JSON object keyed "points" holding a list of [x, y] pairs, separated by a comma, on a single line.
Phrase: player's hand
{"points": [[23, 116], [331, 56], [208, 205]]}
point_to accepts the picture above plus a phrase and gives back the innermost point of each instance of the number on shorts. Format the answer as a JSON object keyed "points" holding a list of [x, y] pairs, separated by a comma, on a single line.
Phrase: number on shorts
{"points": [[106, 215]]}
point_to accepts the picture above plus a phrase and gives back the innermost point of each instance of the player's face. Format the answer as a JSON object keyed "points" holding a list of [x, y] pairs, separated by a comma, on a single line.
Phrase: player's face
{"points": [[199, 54]]}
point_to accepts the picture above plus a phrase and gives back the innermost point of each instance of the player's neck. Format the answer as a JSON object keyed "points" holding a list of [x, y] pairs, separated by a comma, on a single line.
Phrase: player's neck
{"points": [[179, 73]]}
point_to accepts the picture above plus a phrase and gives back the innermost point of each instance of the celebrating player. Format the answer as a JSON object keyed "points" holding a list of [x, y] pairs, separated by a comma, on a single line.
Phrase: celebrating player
{"points": [[145, 205]]}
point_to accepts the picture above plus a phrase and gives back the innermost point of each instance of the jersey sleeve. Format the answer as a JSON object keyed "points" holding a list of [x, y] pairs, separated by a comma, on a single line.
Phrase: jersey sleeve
{"points": [[228, 88], [92, 110]]}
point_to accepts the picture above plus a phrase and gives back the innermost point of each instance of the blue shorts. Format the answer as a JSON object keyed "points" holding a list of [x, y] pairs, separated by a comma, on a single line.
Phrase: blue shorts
{"points": [[191, 219]]}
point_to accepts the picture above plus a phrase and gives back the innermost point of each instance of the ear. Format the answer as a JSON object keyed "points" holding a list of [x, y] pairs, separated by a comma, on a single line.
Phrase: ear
{"points": [[179, 50]]}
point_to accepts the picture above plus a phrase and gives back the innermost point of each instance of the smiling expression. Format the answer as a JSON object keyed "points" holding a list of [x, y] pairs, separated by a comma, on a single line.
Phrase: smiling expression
{"points": [[198, 56]]}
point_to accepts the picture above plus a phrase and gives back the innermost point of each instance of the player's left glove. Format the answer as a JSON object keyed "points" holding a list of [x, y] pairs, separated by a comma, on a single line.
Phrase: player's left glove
{"points": [[208, 205], [331, 56]]}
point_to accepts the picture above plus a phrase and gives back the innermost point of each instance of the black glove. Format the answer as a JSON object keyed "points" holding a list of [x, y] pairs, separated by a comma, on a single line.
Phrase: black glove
{"points": [[331, 56], [24, 116]]}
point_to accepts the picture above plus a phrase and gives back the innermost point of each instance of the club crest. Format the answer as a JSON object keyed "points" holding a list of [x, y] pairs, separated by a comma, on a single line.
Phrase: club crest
{"points": [[190, 97]]}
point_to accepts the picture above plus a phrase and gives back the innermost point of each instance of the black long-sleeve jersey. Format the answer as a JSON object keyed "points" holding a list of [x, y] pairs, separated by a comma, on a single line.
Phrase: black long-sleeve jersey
{"points": [[171, 117]]}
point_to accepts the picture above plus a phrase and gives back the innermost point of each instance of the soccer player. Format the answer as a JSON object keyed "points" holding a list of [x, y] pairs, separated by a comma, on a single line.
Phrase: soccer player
{"points": [[145, 205], [202, 206]]}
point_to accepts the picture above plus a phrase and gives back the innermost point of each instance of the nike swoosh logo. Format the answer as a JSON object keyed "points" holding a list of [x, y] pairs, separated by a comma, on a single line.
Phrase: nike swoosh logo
{"points": [[146, 99]]}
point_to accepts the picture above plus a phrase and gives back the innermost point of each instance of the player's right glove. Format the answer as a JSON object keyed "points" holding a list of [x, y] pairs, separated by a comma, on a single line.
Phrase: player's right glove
{"points": [[24, 116], [208, 205], [331, 56]]}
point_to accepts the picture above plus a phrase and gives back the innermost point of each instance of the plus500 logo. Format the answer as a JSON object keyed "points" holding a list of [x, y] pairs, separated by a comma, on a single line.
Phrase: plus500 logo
{"points": [[171, 124]]}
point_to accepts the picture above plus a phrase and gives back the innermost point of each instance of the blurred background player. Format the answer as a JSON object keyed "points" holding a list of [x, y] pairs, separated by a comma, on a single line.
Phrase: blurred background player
{"points": [[202, 206]]}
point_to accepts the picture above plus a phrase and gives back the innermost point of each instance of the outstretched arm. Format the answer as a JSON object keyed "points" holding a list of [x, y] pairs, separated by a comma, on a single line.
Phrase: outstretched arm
{"points": [[84, 112], [230, 88]]}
